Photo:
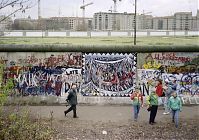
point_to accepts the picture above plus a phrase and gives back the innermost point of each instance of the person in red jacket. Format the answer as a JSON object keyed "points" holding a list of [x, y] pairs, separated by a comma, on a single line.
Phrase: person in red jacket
{"points": [[159, 88]]}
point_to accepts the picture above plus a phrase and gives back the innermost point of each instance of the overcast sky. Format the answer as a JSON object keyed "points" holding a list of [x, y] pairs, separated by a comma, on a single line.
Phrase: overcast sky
{"points": [[51, 8]]}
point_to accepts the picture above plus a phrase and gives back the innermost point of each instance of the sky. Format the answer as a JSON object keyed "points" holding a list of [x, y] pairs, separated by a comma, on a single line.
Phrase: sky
{"points": [[55, 8]]}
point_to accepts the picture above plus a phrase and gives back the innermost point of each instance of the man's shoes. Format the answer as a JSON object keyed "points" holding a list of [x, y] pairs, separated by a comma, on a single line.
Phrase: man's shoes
{"points": [[75, 117], [65, 113], [150, 123], [173, 121]]}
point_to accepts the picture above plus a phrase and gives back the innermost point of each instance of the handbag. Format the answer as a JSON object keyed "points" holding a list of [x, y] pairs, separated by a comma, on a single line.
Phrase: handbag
{"points": [[149, 108]]}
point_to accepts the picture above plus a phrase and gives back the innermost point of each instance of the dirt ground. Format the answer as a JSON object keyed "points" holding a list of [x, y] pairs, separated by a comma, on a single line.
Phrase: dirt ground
{"points": [[116, 123]]}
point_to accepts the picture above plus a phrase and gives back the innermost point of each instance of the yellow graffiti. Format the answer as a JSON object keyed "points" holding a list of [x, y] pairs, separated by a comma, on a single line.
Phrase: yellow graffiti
{"points": [[152, 65]]}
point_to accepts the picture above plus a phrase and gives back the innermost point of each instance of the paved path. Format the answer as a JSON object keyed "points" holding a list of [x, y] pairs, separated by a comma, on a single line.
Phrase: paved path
{"points": [[109, 113]]}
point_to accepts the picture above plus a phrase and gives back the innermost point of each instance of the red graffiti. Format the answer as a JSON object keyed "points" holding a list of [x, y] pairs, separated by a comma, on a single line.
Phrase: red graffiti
{"points": [[171, 56]]}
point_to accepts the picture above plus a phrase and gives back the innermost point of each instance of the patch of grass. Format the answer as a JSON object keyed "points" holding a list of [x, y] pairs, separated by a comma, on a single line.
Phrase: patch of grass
{"points": [[164, 43], [106, 40], [101, 40]]}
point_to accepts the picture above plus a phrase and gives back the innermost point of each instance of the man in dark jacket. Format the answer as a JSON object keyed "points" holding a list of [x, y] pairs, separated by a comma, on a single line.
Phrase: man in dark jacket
{"points": [[72, 100]]}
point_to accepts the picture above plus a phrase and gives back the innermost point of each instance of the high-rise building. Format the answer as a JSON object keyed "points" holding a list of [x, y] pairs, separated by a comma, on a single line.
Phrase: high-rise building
{"points": [[145, 21], [183, 21], [163, 23], [195, 22], [113, 21]]}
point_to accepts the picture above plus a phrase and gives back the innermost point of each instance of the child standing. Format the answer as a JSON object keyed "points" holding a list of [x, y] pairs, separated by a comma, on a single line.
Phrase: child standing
{"points": [[175, 105], [137, 98]]}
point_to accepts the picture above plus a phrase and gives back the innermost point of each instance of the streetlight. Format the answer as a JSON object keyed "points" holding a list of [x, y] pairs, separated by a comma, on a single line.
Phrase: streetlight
{"points": [[135, 22]]}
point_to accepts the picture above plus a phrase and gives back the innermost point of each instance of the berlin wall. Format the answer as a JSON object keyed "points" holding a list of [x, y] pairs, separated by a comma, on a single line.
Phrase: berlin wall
{"points": [[100, 77]]}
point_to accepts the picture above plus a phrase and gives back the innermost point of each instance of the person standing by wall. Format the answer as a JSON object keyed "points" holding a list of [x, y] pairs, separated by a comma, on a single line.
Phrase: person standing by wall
{"points": [[152, 102], [72, 100], [168, 91], [159, 88], [175, 104], [137, 98]]}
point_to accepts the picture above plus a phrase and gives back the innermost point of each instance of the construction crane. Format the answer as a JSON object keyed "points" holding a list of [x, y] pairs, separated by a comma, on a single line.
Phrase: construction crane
{"points": [[115, 5], [83, 8], [83, 13], [39, 9]]}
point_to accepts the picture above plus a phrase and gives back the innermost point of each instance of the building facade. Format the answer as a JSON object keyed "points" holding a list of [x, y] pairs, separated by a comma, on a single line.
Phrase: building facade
{"points": [[121, 21], [145, 22], [113, 21], [163, 23], [183, 21], [54, 23], [125, 21], [195, 23], [105, 21]]}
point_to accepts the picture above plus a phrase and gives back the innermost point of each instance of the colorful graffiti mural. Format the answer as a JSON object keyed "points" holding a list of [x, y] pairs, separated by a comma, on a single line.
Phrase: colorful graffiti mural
{"points": [[183, 68], [109, 74], [97, 74], [187, 84], [41, 73], [174, 63]]}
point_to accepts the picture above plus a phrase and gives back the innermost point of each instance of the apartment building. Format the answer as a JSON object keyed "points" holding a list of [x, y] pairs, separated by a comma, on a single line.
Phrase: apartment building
{"points": [[145, 22], [121, 21], [195, 22], [125, 21], [163, 23], [113, 21], [183, 21]]}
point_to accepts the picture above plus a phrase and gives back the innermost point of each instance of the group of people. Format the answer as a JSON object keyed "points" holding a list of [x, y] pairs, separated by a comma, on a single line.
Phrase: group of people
{"points": [[172, 103]]}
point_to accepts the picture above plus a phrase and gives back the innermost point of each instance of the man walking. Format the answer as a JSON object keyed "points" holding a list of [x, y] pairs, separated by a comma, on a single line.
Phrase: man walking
{"points": [[72, 100]]}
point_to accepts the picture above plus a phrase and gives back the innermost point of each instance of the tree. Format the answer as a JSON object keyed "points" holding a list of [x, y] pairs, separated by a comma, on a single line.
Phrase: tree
{"points": [[17, 6]]}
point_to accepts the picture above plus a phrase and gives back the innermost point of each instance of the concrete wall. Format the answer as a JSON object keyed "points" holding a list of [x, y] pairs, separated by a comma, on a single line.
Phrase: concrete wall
{"points": [[82, 100], [32, 33], [101, 77]]}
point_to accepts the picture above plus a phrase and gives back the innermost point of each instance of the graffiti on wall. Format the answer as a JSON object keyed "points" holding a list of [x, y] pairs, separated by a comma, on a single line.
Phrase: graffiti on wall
{"points": [[174, 63], [108, 74], [187, 84], [182, 68], [42, 73], [99, 74]]}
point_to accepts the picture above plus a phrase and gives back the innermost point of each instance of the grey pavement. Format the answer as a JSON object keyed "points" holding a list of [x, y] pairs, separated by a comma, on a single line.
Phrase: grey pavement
{"points": [[109, 113]]}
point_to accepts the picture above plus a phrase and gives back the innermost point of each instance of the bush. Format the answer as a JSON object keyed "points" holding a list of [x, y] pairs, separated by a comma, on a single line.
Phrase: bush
{"points": [[17, 124]]}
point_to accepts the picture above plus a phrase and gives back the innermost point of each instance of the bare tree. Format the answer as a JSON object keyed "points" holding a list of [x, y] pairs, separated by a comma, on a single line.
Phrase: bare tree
{"points": [[17, 6]]}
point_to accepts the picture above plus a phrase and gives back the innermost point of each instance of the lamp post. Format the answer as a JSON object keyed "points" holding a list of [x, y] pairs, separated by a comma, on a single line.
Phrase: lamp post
{"points": [[135, 22]]}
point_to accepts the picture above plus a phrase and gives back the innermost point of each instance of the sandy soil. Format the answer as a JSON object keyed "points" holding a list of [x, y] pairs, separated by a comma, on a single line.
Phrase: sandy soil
{"points": [[116, 123]]}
